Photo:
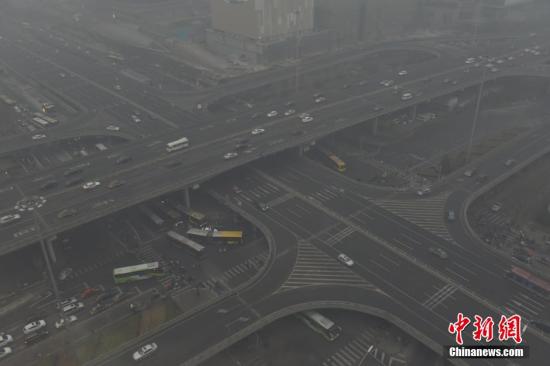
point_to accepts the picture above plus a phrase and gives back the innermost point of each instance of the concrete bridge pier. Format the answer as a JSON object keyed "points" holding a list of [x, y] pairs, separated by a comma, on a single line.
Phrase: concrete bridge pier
{"points": [[414, 111], [49, 255], [375, 126], [50, 248], [187, 198]]}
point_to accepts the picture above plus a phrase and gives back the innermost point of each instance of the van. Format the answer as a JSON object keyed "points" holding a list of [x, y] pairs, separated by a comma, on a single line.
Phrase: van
{"points": [[36, 337]]}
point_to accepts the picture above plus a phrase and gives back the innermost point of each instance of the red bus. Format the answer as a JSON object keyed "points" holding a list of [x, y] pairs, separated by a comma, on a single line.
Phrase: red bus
{"points": [[529, 281]]}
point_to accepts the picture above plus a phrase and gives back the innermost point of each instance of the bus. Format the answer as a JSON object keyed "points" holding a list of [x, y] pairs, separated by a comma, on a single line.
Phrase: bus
{"points": [[115, 56], [320, 324], [529, 281], [338, 163], [50, 120], [200, 233], [40, 122], [137, 273], [7, 100], [177, 144], [195, 218], [188, 243], [228, 237], [155, 219], [334, 160], [168, 211]]}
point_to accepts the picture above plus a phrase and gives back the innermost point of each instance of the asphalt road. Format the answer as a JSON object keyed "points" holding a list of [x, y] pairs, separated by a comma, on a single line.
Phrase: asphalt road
{"points": [[203, 160]]}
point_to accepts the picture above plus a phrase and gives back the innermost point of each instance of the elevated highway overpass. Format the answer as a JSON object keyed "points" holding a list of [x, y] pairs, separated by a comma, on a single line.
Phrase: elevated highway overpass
{"points": [[203, 159]]}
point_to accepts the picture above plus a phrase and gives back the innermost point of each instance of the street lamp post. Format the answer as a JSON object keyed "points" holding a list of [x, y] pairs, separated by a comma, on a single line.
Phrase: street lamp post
{"points": [[476, 115]]}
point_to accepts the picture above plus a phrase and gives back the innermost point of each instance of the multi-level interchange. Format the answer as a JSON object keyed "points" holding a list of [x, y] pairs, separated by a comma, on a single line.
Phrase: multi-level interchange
{"points": [[381, 180]]}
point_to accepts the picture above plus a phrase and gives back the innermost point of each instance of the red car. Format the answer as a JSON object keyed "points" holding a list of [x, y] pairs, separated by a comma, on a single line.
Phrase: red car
{"points": [[89, 291]]}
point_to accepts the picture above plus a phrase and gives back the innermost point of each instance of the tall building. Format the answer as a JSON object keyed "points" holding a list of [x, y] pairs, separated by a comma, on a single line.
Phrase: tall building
{"points": [[366, 20], [262, 19], [262, 31]]}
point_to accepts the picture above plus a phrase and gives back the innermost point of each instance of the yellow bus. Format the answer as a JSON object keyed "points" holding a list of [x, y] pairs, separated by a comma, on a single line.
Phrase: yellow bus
{"points": [[338, 163], [228, 237], [195, 218]]}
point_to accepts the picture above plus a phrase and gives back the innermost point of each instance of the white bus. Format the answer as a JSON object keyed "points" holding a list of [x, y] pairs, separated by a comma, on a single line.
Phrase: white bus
{"points": [[320, 324], [177, 144], [50, 120], [155, 219], [40, 122], [138, 272], [188, 243]]}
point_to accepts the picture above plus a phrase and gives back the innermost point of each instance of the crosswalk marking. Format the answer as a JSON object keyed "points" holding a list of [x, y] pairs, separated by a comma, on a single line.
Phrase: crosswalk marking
{"points": [[339, 236], [314, 267], [428, 213], [89, 268], [524, 305], [351, 353], [238, 269], [439, 296]]}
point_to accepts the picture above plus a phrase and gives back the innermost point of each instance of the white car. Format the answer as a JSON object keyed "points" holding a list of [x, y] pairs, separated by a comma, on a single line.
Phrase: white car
{"points": [[230, 155], [387, 83], [307, 119], [72, 308], [4, 352], [470, 60], [135, 118], [144, 351], [494, 69], [117, 87], [303, 115], [39, 136], [257, 131], [34, 326], [345, 259], [91, 185], [496, 207], [509, 162], [402, 73], [9, 218], [273, 114], [320, 99], [423, 191], [112, 128], [290, 112], [68, 301], [406, 96], [5, 339], [64, 321], [64, 274]]}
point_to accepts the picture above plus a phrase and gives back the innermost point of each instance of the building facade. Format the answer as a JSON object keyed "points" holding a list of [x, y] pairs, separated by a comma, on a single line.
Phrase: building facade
{"points": [[263, 31]]}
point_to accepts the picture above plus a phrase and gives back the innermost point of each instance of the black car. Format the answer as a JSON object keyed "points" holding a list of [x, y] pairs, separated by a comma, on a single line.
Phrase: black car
{"points": [[73, 171], [73, 182], [36, 337], [262, 206], [107, 295], [48, 185], [172, 164], [123, 159]]}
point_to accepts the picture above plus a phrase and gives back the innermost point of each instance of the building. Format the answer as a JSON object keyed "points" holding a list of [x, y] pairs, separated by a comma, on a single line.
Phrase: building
{"points": [[262, 31], [366, 20]]}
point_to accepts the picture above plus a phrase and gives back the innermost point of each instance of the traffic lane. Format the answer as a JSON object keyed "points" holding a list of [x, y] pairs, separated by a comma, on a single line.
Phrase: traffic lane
{"points": [[466, 269], [303, 220], [410, 286], [377, 301], [189, 337], [392, 98]]}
